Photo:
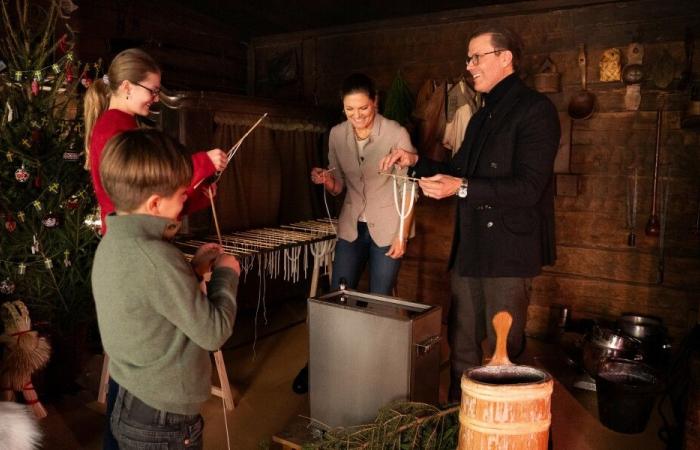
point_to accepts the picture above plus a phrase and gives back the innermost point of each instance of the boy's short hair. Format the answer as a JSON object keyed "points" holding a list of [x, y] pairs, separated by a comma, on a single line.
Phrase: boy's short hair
{"points": [[136, 164]]}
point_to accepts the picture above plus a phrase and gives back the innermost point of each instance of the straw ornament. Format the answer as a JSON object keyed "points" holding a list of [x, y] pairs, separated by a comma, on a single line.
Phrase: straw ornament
{"points": [[25, 352]]}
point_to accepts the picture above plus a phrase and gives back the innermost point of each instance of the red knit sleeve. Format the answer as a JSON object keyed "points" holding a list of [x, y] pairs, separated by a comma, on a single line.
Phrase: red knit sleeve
{"points": [[109, 124], [196, 198]]}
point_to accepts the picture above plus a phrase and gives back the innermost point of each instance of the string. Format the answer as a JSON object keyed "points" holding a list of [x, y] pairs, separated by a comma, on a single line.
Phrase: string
{"points": [[221, 243]]}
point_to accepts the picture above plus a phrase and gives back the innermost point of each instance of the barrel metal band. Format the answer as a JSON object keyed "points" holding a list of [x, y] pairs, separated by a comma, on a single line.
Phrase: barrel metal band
{"points": [[504, 428]]}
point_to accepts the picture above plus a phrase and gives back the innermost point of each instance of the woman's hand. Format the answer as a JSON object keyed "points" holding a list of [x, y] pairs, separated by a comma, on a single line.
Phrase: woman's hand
{"points": [[398, 156], [219, 158], [204, 257], [324, 177], [397, 249]]}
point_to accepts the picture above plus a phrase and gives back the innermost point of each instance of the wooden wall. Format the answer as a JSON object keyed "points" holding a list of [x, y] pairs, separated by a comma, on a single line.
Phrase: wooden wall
{"points": [[596, 273], [195, 52]]}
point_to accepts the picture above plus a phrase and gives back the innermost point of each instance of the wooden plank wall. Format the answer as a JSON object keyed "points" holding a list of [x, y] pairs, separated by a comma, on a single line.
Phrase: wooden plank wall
{"points": [[195, 52], [596, 274]]}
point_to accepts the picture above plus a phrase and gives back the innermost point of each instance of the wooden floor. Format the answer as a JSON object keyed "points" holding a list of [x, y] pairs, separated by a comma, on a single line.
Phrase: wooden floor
{"points": [[261, 378]]}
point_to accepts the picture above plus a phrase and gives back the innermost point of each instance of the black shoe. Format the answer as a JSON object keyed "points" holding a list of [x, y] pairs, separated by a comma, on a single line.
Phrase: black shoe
{"points": [[301, 381]]}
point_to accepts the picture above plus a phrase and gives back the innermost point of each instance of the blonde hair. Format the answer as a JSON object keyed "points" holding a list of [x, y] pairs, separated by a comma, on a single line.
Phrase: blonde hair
{"points": [[131, 64], [139, 163]]}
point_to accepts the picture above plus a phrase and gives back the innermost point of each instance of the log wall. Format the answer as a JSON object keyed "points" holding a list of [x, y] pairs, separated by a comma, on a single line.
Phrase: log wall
{"points": [[194, 51], [596, 273]]}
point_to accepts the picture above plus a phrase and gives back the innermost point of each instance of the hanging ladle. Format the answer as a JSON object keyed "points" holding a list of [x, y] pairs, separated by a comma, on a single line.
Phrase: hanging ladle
{"points": [[582, 104]]}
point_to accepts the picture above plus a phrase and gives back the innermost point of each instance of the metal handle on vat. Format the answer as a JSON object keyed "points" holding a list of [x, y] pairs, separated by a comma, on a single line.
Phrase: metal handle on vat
{"points": [[423, 348]]}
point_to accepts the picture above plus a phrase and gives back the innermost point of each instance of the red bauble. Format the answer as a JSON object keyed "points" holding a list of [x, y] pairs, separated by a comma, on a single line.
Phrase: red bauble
{"points": [[35, 87], [62, 43], [69, 73], [73, 202], [22, 175], [37, 181], [10, 224]]}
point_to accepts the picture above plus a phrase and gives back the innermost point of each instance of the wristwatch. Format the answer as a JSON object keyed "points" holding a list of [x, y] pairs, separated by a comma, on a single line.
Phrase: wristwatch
{"points": [[463, 189]]}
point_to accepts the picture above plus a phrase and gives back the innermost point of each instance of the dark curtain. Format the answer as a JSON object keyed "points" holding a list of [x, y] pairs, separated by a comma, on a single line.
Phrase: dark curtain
{"points": [[268, 182]]}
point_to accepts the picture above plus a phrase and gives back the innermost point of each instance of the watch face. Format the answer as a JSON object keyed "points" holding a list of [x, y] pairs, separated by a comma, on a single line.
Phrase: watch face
{"points": [[462, 192]]}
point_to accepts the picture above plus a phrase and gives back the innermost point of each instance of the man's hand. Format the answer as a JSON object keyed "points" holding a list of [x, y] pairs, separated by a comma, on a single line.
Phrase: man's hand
{"points": [[219, 158], [324, 177], [399, 157], [440, 186]]}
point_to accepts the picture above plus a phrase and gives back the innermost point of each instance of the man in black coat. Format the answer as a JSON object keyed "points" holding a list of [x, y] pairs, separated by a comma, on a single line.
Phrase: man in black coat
{"points": [[502, 176]]}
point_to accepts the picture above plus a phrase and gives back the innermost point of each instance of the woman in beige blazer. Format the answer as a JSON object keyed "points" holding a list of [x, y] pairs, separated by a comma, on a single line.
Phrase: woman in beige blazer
{"points": [[369, 223]]}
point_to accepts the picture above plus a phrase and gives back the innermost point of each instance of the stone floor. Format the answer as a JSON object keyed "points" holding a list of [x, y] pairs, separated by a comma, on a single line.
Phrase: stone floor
{"points": [[261, 377]]}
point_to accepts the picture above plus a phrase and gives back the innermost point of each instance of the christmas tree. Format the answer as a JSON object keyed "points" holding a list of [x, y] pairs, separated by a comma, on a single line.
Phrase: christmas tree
{"points": [[46, 202]]}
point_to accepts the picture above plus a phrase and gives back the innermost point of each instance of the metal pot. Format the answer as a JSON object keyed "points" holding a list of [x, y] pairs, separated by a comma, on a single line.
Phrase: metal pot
{"points": [[604, 343], [641, 327]]}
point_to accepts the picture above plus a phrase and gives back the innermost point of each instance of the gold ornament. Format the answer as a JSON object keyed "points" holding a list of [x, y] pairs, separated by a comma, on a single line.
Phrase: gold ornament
{"points": [[21, 268], [37, 205], [610, 65]]}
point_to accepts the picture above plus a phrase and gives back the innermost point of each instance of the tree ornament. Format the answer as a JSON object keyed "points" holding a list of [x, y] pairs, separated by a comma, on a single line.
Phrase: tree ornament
{"points": [[18, 76], [71, 156], [9, 155], [35, 245], [35, 87], [21, 269], [69, 56], [73, 202], [53, 187], [62, 43], [37, 181], [48, 263], [36, 136], [93, 221], [22, 175], [51, 220], [7, 287], [69, 73], [56, 68], [10, 224], [66, 261], [26, 143], [37, 205], [20, 216]]}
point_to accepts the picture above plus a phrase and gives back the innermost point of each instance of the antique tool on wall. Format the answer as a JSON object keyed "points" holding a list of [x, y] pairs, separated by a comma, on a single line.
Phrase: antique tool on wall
{"points": [[632, 76], [652, 228], [582, 103], [610, 66], [687, 75], [662, 231], [632, 210], [547, 80], [566, 184]]}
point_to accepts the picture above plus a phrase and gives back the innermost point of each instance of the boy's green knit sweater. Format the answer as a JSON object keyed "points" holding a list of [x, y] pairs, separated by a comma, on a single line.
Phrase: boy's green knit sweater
{"points": [[156, 325]]}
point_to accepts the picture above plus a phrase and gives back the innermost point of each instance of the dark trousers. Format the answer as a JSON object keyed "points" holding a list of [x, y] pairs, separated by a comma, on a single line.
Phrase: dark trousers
{"points": [[138, 426], [474, 303]]}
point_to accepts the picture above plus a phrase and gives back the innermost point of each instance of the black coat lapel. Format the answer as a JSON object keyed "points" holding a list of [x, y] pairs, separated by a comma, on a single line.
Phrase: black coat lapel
{"points": [[492, 119]]}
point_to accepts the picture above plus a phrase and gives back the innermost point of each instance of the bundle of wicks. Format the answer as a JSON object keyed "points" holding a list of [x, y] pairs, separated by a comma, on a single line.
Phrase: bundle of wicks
{"points": [[25, 352]]}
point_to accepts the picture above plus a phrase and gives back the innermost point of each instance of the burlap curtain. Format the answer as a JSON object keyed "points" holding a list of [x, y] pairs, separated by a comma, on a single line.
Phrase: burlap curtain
{"points": [[268, 183]]}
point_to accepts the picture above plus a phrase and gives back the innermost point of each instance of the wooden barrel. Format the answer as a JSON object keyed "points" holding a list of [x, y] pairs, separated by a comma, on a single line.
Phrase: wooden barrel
{"points": [[505, 406]]}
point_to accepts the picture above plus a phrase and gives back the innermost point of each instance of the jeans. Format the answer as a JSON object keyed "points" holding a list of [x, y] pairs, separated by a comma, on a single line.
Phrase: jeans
{"points": [[137, 426], [351, 258], [108, 441]]}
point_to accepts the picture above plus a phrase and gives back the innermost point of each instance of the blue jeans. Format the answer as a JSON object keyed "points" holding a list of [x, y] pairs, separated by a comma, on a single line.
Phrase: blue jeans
{"points": [[108, 441], [137, 426], [351, 258]]}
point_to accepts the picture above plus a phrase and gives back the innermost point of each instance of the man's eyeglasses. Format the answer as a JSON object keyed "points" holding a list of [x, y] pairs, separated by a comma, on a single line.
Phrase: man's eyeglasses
{"points": [[154, 92], [474, 59]]}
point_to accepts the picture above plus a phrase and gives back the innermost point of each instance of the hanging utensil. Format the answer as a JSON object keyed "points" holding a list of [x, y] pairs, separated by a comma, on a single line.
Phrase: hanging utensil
{"points": [[583, 102], [652, 228], [632, 210], [632, 76]]}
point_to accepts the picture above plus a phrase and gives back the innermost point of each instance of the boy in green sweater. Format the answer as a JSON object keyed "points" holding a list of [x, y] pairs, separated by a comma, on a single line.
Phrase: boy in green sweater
{"points": [[156, 324]]}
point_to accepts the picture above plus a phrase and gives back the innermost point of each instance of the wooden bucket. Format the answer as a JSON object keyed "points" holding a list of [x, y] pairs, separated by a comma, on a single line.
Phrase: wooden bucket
{"points": [[505, 406]]}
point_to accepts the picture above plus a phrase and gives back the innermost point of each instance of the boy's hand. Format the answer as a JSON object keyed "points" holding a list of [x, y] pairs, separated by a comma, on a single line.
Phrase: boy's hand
{"points": [[205, 257], [230, 261], [219, 158]]}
